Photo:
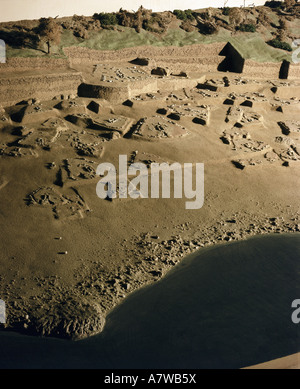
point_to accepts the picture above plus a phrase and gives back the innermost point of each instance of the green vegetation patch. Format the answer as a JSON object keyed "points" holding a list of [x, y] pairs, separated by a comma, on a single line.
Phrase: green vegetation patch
{"points": [[247, 28], [255, 48], [274, 4], [184, 15], [251, 45], [107, 19], [280, 45]]}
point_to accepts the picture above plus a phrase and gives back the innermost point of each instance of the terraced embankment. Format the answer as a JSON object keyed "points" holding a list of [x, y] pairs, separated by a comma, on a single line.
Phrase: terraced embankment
{"points": [[43, 78], [15, 87]]}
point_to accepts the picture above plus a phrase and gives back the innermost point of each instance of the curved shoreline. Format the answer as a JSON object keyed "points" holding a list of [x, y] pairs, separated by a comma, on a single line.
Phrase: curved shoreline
{"points": [[83, 317], [217, 304]]}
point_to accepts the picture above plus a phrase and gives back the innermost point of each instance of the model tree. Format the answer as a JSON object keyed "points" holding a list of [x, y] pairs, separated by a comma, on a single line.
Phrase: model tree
{"points": [[236, 16], [49, 32], [290, 3]]}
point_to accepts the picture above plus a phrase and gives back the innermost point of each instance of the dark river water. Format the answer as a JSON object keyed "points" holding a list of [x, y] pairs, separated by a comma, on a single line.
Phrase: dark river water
{"points": [[227, 306]]}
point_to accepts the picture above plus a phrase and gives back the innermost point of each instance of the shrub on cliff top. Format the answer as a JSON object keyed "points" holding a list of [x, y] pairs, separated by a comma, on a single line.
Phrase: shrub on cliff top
{"points": [[274, 4], [184, 15], [247, 28], [225, 11], [107, 19], [280, 45]]}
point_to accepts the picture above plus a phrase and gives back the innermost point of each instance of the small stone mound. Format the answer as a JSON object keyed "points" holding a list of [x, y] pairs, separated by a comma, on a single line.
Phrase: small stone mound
{"points": [[290, 154], [226, 81], [200, 120], [79, 168], [94, 106], [289, 126], [200, 114], [242, 163], [149, 158], [180, 74], [251, 117], [156, 128], [271, 156], [113, 123], [81, 119], [88, 145], [207, 86], [48, 133], [73, 318], [15, 151], [63, 206], [22, 130], [69, 106], [234, 114], [29, 102], [228, 102], [128, 103], [140, 61], [159, 71], [247, 103], [174, 116], [274, 89], [55, 123], [34, 113], [243, 141], [162, 111], [284, 140], [284, 128]]}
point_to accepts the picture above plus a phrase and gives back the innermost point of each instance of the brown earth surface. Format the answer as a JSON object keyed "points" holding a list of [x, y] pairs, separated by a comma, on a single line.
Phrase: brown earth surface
{"points": [[289, 362], [68, 257]]}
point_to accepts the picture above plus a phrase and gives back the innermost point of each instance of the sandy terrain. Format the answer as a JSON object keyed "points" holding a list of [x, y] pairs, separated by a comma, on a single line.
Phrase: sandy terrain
{"points": [[289, 362], [68, 257]]}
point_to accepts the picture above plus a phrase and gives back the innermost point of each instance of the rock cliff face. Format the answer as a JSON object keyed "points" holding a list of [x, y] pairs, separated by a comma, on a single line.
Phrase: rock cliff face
{"points": [[79, 55], [32, 64], [16, 87], [69, 319], [46, 78], [72, 318]]}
